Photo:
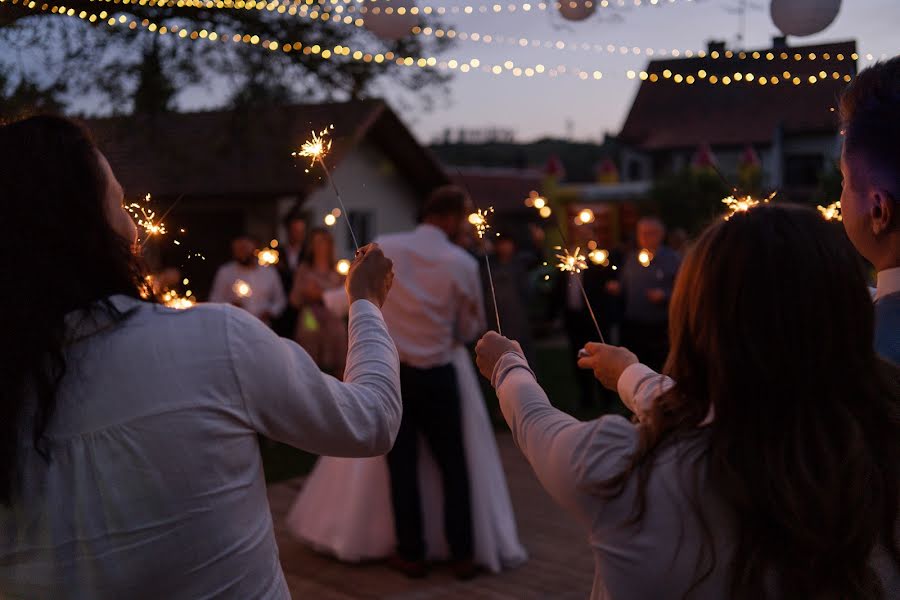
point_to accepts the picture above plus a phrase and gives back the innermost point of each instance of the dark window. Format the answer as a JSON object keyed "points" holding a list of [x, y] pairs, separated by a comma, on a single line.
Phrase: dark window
{"points": [[803, 170], [635, 172], [363, 224]]}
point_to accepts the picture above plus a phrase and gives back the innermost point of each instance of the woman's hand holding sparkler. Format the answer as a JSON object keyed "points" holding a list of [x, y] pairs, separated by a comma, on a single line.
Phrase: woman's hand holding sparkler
{"points": [[371, 276], [607, 362], [490, 349]]}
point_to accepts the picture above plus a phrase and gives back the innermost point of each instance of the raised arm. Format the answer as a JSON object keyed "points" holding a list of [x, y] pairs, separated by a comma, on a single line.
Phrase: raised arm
{"points": [[565, 453], [287, 397]]}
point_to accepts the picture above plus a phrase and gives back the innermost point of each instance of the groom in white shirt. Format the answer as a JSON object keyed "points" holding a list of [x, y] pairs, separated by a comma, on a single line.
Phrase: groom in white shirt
{"points": [[435, 303]]}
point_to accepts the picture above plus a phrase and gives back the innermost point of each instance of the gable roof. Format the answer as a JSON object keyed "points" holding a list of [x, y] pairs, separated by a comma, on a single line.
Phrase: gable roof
{"points": [[669, 115], [248, 152]]}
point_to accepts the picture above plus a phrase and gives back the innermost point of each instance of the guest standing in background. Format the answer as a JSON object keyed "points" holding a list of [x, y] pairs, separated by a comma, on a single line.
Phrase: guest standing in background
{"points": [[245, 284], [511, 285], [290, 254], [870, 162], [321, 333], [648, 276]]}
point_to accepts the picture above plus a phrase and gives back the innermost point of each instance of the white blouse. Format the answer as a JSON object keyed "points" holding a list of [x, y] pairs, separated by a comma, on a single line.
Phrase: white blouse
{"points": [[155, 485]]}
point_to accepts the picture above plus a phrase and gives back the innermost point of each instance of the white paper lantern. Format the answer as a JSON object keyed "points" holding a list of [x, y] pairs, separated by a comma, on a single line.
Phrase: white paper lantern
{"points": [[803, 17], [390, 20], [577, 10]]}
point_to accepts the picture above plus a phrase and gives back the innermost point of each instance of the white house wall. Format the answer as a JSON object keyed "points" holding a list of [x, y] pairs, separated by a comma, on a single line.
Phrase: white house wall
{"points": [[368, 181]]}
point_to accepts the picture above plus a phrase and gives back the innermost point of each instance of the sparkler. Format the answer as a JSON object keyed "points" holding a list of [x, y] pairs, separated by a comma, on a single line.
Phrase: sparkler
{"points": [[267, 257], [479, 220], [599, 257], [832, 212], [741, 204], [173, 299], [242, 288], [574, 263], [645, 257], [342, 266], [315, 149], [145, 217]]}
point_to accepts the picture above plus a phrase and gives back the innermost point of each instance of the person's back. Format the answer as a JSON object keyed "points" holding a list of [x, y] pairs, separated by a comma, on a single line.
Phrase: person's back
{"points": [[154, 477], [435, 299]]}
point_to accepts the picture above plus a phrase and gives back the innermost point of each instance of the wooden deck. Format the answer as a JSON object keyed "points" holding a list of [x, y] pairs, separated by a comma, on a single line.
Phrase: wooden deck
{"points": [[560, 566]]}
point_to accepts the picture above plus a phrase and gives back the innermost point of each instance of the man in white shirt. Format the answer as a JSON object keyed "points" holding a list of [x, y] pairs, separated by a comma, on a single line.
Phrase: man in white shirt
{"points": [[870, 162], [435, 303], [244, 283]]}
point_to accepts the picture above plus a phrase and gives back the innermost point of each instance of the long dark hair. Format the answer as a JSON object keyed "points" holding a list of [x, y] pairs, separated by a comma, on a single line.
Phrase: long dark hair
{"points": [[58, 253], [771, 327]]}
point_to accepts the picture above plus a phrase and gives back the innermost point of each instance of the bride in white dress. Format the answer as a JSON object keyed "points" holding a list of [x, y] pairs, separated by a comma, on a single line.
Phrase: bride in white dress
{"points": [[344, 508]]}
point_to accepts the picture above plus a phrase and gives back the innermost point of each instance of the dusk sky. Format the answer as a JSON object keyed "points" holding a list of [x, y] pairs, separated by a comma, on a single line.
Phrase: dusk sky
{"points": [[566, 106]]}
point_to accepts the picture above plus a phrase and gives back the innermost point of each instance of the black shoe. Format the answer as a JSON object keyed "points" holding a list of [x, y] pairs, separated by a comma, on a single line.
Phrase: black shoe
{"points": [[414, 569], [465, 570]]}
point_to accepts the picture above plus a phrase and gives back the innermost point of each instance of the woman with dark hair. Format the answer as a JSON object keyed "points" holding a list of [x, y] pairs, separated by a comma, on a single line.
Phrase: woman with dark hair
{"points": [[321, 333], [129, 460], [765, 465]]}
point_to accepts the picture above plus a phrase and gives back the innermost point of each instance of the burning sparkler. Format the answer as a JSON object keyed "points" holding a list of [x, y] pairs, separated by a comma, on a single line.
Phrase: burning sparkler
{"points": [[574, 263], [742, 204], [242, 289], [342, 266], [173, 299], [145, 217], [645, 257], [832, 212], [479, 221], [315, 149], [599, 257], [267, 257]]}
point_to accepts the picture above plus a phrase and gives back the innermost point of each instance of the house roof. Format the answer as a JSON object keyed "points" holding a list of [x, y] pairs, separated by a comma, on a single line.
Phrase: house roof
{"points": [[248, 152], [504, 189], [670, 115]]}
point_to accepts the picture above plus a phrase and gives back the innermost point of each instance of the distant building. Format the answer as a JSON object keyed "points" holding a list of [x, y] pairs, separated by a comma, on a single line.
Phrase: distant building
{"points": [[234, 172], [720, 102]]}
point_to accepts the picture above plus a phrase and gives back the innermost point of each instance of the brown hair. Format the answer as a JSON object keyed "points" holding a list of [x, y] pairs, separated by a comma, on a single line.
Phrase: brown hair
{"points": [[870, 118], [771, 328], [445, 200], [52, 206]]}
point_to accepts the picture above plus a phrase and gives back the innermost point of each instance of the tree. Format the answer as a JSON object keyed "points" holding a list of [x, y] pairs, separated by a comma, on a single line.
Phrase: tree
{"points": [[155, 45], [689, 199]]}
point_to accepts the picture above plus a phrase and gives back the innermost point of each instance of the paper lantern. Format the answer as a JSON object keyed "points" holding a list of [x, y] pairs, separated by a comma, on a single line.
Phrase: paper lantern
{"points": [[393, 25], [576, 10], [803, 17]]}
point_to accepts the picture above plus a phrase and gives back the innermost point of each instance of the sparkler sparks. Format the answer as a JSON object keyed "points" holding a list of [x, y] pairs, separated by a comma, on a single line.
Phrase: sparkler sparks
{"points": [[145, 217], [645, 257], [242, 289], [342, 266], [742, 204], [479, 220], [173, 299], [573, 262], [316, 147], [599, 257], [267, 257], [832, 212]]}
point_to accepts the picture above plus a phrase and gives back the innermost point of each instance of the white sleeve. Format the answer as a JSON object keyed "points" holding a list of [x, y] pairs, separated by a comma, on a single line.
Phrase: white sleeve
{"points": [[565, 453], [287, 397], [639, 386]]}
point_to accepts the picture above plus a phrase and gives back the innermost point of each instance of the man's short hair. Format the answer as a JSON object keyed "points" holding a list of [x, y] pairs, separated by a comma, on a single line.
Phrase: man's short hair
{"points": [[870, 118], [445, 200]]}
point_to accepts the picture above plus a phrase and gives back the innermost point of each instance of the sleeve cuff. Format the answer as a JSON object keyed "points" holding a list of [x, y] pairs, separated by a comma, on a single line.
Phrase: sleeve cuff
{"points": [[510, 361], [364, 307], [629, 381]]}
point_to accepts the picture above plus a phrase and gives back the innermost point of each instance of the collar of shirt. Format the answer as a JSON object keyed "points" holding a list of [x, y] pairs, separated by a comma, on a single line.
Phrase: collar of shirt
{"points": [[888, 283], [430, 233]]}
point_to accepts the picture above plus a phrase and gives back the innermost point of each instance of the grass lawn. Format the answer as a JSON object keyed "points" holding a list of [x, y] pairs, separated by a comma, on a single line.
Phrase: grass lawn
{"points": [[554, 373]]}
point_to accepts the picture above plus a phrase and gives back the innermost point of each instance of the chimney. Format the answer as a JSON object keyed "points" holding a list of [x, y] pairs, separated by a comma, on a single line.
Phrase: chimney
{"points": [[779, 42], [715, 46]]}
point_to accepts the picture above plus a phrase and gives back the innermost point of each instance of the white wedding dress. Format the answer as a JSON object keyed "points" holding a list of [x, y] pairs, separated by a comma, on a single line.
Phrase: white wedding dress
{"points": [[344, 508]]}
